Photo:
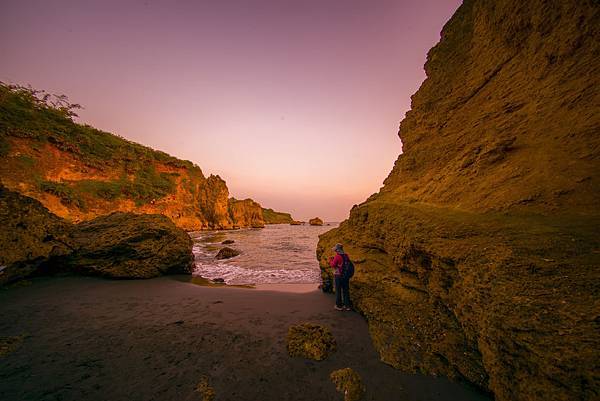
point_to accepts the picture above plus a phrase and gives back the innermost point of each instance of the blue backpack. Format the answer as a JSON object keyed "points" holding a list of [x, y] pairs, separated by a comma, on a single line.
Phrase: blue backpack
{"points": [[347, 267]]}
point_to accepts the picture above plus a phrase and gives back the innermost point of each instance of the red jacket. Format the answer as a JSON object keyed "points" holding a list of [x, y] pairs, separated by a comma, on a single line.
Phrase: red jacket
{"points": [[337, 262]]}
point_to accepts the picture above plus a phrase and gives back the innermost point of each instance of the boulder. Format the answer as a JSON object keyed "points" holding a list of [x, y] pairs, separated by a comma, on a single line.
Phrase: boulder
{"points": [[30, 236], [228, 242], [127, 245], [226, 253], [349, 383], [315, 222], [311, 341]]}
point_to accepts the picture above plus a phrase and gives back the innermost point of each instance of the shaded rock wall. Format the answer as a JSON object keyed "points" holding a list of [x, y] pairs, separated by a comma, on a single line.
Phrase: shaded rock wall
{"points": [[30, 236], [479, 259]]}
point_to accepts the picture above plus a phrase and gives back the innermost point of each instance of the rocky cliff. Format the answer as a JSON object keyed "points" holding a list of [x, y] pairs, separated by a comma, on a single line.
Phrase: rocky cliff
{"points": [[246, 213], [80, 173], [479, 259]]}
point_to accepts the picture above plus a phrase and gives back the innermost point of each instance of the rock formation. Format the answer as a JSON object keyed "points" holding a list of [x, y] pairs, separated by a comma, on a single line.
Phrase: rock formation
{"points": [[296, 223], [126, 245], [226, 253], [272, 217], [120, 245], [480, 254], [80, 173], [315, 222], [246, 213]]}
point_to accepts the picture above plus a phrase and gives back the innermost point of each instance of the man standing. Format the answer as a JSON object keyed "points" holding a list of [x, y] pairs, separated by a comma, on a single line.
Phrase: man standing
{"points": [[339, 262]]}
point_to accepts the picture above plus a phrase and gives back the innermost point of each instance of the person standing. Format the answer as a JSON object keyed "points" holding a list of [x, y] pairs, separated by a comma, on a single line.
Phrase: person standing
{"points": [[341, 280]]}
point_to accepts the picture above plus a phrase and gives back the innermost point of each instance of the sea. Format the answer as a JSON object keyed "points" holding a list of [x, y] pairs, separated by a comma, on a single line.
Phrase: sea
{"points": [[276, 254]]}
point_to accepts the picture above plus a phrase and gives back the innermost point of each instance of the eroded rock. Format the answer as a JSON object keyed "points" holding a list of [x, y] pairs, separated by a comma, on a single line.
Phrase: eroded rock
{"points": [[312, 341]]}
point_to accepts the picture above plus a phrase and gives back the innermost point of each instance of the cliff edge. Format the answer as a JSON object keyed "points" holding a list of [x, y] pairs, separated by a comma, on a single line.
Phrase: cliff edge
{"points": [[479, 259]]}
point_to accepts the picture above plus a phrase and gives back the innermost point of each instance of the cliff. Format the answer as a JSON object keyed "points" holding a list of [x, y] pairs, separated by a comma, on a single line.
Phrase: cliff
{"points": [[479, 258], [246, 213], [80, 173], [272, 217]]}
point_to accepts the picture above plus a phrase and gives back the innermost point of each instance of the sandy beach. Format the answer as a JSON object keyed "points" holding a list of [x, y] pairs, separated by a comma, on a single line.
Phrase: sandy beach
{"points": [[94, 339]]}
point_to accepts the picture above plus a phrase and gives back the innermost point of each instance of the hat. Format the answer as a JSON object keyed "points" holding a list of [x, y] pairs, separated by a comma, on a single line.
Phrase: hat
{"points": [[339, 248]]}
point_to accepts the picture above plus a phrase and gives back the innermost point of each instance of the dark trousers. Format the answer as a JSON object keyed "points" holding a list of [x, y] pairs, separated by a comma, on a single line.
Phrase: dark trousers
{"points": [[342, 291]]}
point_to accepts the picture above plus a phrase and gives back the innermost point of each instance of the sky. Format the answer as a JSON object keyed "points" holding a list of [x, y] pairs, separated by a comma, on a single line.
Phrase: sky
{"points": [[295, 104]]}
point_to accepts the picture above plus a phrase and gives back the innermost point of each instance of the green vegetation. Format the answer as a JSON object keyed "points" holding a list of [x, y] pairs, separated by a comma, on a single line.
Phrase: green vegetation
{"points": [[30, 113], [44, 118], [272, 217], [65, 192]]}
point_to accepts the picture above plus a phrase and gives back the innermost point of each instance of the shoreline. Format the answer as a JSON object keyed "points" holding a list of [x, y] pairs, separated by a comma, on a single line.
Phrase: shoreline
{"points": [[96, 339]]}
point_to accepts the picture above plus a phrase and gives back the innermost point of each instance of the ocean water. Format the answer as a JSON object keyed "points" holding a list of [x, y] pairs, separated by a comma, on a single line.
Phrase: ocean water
{"points": [[276, 254]]}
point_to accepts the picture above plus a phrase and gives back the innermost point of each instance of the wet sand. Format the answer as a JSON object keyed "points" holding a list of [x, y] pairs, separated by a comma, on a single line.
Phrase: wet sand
{"points": [[94, 339]]}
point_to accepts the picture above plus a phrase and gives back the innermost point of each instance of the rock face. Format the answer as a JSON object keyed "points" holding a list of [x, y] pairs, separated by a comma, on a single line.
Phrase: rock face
{"points": [[246, 213], [80, 173], [480, 252], [120, 245], [126, 245], [315, 222], [30, 236], [272, 217]]}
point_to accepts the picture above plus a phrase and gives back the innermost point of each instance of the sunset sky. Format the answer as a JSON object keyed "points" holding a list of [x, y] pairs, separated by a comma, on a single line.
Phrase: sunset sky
{"points": [[296, 104]]}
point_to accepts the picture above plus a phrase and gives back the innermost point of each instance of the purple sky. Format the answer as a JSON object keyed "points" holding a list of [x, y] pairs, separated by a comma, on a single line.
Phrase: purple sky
{"points": [[294, 103]]}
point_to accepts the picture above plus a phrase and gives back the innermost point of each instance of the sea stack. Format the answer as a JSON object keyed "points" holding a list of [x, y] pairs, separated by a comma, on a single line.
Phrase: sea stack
{"points": [[315, 222]]}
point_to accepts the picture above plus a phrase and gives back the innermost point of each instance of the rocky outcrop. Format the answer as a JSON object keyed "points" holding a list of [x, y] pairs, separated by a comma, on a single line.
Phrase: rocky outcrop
{"points": [[246, 213], [315, 222], [479, 256], [126, 245], [272, 217], [30, 236], [80, 173], [226, 253], [120, 245], [296, 223]]}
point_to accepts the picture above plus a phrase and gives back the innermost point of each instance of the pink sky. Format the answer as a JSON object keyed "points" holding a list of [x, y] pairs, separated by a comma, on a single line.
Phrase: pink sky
{"points": [[296, 104]]}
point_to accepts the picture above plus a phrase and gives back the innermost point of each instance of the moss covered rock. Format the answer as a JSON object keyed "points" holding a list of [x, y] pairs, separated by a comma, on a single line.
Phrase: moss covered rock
{"points": [[311, 341], [30, 236], [349, 383], [481, 249], [127, 245]]}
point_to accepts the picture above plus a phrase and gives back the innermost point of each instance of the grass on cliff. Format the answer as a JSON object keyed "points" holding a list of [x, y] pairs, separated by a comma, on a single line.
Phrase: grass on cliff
{"points": [[37, 115], [42, 119]]}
